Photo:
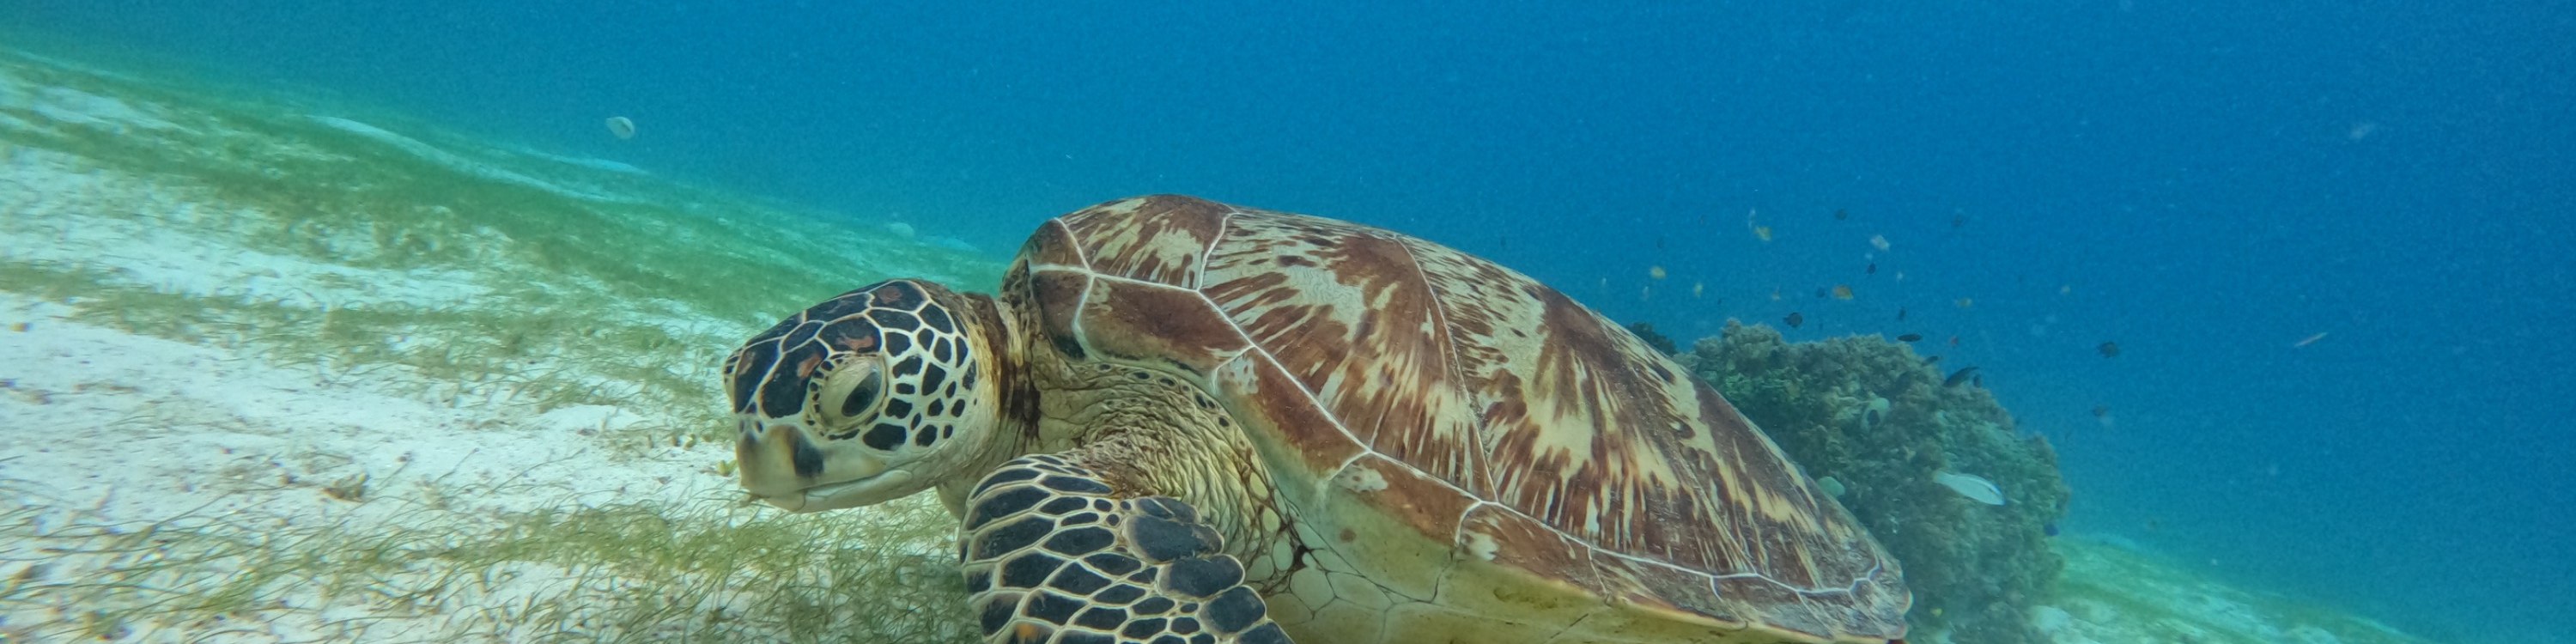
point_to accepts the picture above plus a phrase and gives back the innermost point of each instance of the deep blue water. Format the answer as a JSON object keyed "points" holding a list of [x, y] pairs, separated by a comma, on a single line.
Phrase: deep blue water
{"points": [[2205, 185]]}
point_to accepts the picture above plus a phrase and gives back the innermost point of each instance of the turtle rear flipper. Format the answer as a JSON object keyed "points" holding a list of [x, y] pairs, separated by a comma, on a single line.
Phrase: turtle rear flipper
{"points": [[1053, 553]]}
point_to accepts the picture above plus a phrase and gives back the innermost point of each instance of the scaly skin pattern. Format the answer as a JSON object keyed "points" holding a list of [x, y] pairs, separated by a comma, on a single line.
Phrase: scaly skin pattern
{"points": [[1149, 434], [1053, 553]]}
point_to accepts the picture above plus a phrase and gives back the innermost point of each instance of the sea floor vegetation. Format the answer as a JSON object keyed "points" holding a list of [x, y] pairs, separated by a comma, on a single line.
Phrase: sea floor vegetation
{"points": [[460, 292]]}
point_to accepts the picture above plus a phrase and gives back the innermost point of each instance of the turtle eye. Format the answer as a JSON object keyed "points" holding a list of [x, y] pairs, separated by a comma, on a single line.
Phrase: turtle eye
{"points": [[854, 391], [864, 395]]}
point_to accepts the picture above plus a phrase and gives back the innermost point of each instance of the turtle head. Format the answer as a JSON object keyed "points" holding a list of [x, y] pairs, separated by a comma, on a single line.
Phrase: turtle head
{"points": [[865, 398]]}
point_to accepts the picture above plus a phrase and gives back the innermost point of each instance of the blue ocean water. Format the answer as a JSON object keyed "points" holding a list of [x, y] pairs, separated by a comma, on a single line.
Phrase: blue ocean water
{"points": [[2205, 186]]}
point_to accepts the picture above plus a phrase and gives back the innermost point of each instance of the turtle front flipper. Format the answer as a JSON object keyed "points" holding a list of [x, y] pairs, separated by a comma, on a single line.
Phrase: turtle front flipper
{"points": [[1053, 553]]}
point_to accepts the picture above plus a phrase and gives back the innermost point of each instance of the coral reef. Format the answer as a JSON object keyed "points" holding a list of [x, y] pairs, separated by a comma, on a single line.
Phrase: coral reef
{"points": [[1875, 417]]}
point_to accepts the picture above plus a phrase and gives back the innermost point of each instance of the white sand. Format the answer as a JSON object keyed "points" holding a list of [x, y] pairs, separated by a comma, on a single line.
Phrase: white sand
{"points": [[131, 429], [113, 430]]}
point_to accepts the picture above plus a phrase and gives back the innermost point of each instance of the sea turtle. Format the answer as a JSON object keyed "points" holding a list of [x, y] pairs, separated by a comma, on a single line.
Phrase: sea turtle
{"points": [[1183, 421]]}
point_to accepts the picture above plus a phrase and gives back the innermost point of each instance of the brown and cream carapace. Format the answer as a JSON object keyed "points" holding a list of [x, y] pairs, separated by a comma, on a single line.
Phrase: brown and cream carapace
{"points": [[1288, 426]]}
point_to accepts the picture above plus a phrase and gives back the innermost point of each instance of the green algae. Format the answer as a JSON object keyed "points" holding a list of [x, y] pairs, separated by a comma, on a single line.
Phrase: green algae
{"points": [[689, 571], [589, 285], [566, 284], [1869, 413]]}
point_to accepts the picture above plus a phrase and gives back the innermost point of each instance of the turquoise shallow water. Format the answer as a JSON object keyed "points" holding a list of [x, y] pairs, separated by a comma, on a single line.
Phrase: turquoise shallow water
{"points": [[2207, 188]]}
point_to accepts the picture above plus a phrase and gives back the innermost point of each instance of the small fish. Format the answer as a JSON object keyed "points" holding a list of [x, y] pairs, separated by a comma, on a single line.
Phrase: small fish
{"points": [[1975, 488], [1822, 292], [1900, 314], [1967, 302], [1841, 214], [1697, 288], [1656, 272], [2109, 349], [2065, 289], [1659, 242], [2308, 340], [1954, 340], [1878, 242], [1910, 337], [1872, 270], [1869, 418], [1960, 376], [1842, 291], [1830, 486], [2049, 528], [1762, 233], [1795, 319], [1775, 295], [1958, 221], [2101, 411], [1931, 360], [1979, 381]]}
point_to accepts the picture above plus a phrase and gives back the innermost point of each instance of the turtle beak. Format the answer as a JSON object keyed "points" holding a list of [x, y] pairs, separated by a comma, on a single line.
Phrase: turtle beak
{"points": [[783, 466], [769, 455]]}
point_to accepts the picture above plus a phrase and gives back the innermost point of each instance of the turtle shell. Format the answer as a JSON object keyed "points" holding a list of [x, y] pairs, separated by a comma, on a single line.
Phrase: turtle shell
{"points": [[1474, 444]]}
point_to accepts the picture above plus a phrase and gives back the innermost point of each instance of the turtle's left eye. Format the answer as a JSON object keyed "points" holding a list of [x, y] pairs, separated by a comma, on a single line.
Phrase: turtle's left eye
{"points": [[864, 395], [853, 392]]}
